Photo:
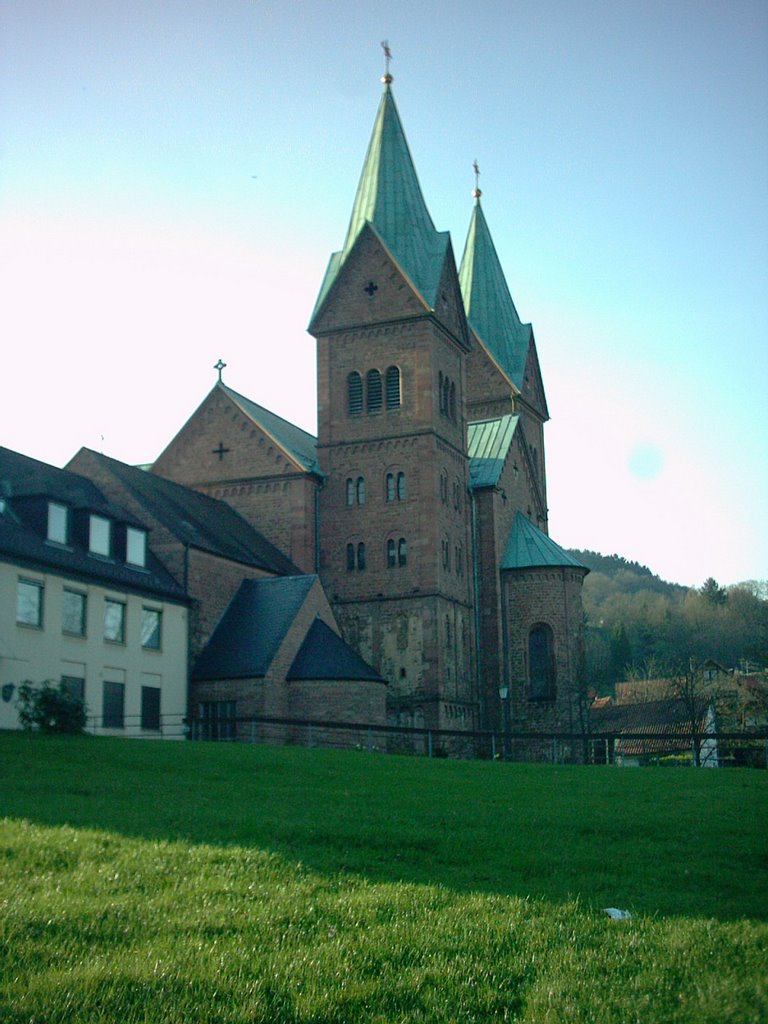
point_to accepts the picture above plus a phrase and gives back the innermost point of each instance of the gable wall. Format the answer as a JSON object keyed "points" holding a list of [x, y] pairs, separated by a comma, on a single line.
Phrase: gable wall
{"points": [[489, 393]]}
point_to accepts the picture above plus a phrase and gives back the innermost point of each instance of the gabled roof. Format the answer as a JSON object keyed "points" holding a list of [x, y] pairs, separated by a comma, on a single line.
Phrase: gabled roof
{"points": [[297, 443], [529, 547], [488, 444], [666, 723], [252, 628], [198, 520], [324, 655], [488, 302], [389, 198], [21, 479]]}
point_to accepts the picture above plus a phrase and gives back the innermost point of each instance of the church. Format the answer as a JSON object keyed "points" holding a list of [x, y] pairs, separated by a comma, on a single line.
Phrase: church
{"points": [[397, 568], [422, 502]]}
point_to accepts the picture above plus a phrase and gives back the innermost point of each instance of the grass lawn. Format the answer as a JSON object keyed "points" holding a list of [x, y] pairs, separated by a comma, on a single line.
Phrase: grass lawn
{"points": [[180, 882]]}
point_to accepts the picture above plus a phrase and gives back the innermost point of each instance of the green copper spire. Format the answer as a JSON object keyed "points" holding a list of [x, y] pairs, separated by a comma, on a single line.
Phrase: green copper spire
{"points": [[389, 198], [490, 309]]}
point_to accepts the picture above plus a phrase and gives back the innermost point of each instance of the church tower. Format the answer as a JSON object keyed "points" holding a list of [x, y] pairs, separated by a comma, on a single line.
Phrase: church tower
{"points": [[503, 374], [392, 346]]}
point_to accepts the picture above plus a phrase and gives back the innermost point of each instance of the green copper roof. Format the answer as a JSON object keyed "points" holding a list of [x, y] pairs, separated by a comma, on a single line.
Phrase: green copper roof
{"points": [[488, 445], [389, 198], [529, 547], [490, 309]]}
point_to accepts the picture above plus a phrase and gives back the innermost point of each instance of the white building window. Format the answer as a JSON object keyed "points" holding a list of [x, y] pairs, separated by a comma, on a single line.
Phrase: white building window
{"points": [[57, 522], [114, 621], [100, 536], [73, 612], [136, 547], [29, 603], [151, 620]]}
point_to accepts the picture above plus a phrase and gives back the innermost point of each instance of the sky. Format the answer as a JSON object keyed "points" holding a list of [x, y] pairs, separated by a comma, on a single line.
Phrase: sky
{"points": [[174, 175]]}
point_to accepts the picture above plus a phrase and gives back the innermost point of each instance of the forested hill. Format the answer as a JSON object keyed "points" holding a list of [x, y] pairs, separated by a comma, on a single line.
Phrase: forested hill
{"points": [[637, 622], [629, 577]]}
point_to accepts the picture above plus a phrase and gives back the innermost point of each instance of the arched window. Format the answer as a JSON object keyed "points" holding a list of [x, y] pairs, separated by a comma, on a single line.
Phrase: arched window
{"points": [[444, 487], [402, 553], [354, 394], [350, 557], [361, 555], [541, 663], [373, 391], [446, 396], [360, 488], [350, 491], [391, 559], [453, 401], [401, 486], [390, 488], [393, 387]]}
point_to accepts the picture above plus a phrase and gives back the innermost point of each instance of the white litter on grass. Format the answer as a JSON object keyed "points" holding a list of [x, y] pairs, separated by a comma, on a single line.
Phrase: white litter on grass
{"points": [[617, 915]]}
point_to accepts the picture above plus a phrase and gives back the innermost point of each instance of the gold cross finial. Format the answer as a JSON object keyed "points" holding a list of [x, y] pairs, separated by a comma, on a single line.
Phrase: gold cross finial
{"points": [[476, 168], [386, 77]]}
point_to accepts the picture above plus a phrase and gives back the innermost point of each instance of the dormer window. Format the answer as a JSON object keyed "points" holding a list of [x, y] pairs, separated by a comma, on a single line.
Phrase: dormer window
{"points": [[100, 536], [136, 547], [57, 522]]}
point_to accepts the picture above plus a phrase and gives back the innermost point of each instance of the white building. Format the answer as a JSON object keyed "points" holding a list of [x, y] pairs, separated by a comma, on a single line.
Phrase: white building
{"points": [[84, 602]]}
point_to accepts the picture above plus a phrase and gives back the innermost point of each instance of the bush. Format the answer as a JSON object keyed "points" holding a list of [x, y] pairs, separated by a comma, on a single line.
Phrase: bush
{"points": [[50, 708]]}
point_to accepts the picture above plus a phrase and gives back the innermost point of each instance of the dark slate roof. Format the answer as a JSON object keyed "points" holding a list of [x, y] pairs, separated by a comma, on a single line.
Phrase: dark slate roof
{"points": [[324, 655], [490, 309], [297, 443], [23, 478], [252, 628], [488, 444], [198, 520], [530, 547], [389, 198]]}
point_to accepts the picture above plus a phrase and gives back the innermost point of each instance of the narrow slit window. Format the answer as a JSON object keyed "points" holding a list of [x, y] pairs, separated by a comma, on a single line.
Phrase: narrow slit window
{"points": [[355, 394], [360, 488], [390, 490], [401, 486], [373, 391], [393, 387], [350, 491], [361, 555], [402, 552], [391, 558]]}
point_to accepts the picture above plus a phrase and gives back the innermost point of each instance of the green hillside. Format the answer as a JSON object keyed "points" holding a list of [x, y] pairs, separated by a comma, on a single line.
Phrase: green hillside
{"points": [[149, 881]]}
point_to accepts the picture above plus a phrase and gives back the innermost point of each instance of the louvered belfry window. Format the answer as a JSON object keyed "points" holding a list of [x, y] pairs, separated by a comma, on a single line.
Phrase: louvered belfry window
{"points": [[355, 394], [374, 394], [393, 387]]}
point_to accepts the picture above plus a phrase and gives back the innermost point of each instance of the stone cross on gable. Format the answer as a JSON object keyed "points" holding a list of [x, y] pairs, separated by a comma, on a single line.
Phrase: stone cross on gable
{"points": [[219, 366]]}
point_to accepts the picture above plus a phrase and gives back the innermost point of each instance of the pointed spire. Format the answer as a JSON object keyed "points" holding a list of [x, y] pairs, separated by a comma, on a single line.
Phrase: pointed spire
{"points": [[487, 300], [389, 198]]}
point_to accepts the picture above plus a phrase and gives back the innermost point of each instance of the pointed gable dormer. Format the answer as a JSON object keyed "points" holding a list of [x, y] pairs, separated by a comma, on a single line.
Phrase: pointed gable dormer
{"points": [[390, 204], [492, 314]]}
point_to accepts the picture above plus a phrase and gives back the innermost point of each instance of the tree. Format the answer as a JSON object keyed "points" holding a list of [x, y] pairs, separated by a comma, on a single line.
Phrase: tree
{"points": [[621, 652], [50, 708], [697, 694], [713, 592]]}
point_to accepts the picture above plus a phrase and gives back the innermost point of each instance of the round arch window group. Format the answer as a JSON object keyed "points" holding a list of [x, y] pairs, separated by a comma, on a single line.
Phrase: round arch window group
{"points": [[374, 392]]}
